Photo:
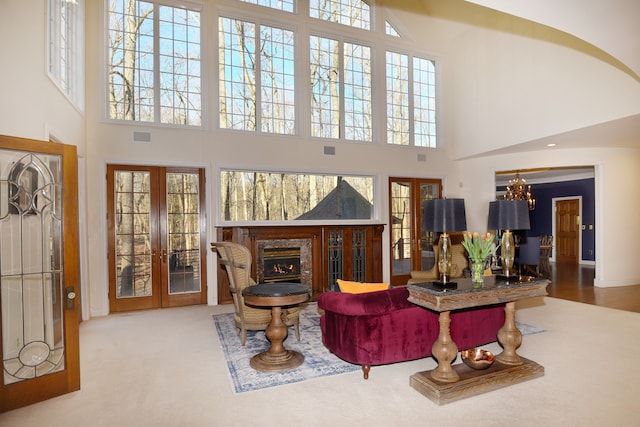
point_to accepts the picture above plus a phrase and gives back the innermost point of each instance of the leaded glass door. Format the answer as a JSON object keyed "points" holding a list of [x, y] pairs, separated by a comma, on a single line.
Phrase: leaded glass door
{"points": [[156, 237], [39, 276]]}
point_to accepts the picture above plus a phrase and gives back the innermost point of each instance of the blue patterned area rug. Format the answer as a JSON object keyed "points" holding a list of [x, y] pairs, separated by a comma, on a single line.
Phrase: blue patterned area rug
{"points": [[526, 329], [318, 361]]}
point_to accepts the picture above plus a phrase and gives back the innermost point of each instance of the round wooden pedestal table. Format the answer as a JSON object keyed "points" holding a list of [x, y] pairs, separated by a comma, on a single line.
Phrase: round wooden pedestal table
{"points": [[276, 296]]}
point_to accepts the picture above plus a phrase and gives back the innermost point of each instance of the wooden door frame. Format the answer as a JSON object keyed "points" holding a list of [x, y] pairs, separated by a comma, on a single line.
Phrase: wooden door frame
{"points": [[416, 223], [178, 300], [159, 298], [137, 303], [554, 201]]}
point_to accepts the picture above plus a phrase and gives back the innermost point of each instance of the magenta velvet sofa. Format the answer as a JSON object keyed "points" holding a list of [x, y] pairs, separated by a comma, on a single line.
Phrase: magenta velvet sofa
{"points": [[382, 327]]}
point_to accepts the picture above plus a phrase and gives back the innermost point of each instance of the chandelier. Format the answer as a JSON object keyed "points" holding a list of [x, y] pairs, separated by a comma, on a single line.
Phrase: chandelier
{"points": [[518, 190]]}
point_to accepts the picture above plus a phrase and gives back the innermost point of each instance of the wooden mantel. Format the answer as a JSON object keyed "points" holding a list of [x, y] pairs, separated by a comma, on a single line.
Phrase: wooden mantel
{"points": [[355, 241]]}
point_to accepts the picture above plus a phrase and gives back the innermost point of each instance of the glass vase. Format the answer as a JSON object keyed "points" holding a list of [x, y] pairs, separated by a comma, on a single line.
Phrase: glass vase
{"points": [[477, 273]]}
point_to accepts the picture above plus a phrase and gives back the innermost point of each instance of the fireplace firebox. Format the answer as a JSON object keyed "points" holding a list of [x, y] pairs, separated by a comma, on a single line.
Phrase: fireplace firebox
{"points": [[281, 265]]}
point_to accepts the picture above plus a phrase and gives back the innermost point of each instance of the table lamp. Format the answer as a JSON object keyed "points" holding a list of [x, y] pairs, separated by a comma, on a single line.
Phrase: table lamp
{"points": [[443, 216], [508, 215]]}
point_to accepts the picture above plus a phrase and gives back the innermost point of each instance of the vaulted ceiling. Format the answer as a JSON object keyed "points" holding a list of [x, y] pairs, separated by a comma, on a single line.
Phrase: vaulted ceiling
{"points": [[611, 25]]}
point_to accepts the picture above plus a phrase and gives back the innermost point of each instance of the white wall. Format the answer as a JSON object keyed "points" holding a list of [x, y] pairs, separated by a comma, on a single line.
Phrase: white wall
{"points": [[32, 106]]}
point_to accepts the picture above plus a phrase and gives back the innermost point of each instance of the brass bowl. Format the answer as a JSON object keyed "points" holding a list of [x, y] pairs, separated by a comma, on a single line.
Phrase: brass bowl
{"points": [[477, 358]]}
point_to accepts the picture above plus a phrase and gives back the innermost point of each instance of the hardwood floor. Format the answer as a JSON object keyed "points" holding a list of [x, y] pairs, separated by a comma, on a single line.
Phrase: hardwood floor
{"points": [[575, 283]]}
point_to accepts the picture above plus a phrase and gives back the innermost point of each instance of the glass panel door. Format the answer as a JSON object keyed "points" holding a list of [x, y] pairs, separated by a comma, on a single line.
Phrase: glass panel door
{"points": [[428, 191], [411, 248], [133, 215], [401, 227], [156, 215], [183, 237], [38, 271]]}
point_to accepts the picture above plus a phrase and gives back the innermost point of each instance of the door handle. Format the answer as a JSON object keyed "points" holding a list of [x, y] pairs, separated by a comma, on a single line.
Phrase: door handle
{"points": [[70, 297]]}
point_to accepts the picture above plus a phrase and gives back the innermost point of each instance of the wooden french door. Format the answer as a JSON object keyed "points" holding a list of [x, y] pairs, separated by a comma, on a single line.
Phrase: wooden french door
{"points": [[156, 222], [411, 247], [567, 229], [39, 271]]}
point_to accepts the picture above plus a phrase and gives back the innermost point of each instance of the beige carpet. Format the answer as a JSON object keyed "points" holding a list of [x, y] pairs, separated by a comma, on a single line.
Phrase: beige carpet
{"points": [[163, 368]]}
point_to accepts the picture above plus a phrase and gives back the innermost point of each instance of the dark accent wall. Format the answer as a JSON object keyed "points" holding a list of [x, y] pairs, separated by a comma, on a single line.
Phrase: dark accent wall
{"points": [[541, 217]]}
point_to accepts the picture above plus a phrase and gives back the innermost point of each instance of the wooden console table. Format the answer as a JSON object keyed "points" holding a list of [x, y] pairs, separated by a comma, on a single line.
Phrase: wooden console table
{"points": [[447, 383]]}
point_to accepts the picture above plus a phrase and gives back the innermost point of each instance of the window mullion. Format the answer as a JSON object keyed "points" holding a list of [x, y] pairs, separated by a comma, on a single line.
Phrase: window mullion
{"points": [[302, 81], [258, 77], [341, 77], [156, 64], [410, 89], [70, 49]]}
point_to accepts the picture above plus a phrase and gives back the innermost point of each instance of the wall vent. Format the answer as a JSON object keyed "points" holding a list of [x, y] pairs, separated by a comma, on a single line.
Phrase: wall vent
{"points": [[141, 136]]}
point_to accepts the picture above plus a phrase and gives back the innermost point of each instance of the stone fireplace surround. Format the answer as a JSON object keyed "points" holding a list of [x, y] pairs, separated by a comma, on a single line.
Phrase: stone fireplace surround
{"points": [[306, 265]]}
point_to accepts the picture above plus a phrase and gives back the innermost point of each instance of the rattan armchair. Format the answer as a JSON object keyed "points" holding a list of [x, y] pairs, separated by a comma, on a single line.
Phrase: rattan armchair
{"points": [[237, 261]]}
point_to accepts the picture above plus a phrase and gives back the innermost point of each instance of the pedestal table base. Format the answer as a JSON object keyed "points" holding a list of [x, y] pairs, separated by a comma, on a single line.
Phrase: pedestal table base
{"points": [[472, 382]]}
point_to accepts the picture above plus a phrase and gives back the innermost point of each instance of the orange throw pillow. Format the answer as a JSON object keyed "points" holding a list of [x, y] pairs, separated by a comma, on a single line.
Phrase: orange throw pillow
{"points": [[360, 288]]}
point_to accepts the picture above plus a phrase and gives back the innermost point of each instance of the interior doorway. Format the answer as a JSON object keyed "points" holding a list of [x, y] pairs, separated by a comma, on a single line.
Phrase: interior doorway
{"points": [[157, 236], [577, 241], [566, 226]]}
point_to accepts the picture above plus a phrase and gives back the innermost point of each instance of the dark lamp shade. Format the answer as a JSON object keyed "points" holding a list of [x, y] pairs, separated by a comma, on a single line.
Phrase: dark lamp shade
{"points": [[508, 215], [444, 215]]}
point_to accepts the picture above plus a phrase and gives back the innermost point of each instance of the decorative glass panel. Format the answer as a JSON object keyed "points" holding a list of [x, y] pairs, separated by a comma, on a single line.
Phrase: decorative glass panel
{"points": [[31, 263], [359, 254], [335, 254]]}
